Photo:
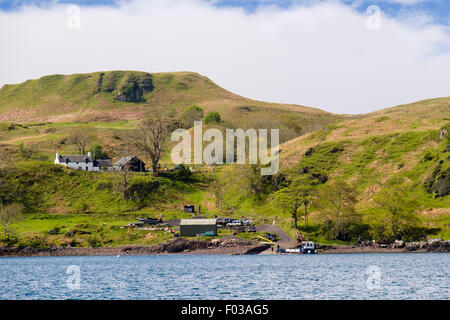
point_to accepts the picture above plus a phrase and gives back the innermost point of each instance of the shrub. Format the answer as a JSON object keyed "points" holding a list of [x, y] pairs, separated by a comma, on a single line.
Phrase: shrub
{"points": [[140, 190], [102, 185], [417, 233], [54, 231], [179, 173], [428, 156], [36, 241], [381, 119], [98, 152], [212, 117], [9, 240], [191, 114], [94, 241]]}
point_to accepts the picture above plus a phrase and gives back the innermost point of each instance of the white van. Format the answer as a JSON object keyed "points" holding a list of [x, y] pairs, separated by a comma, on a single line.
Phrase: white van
{"points": [[309, 247]]}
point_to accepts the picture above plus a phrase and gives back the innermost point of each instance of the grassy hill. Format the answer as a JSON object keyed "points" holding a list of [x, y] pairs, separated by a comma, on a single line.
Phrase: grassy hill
{"points": [[42, 113], [395, 144], [367, 151], [126, 95]]}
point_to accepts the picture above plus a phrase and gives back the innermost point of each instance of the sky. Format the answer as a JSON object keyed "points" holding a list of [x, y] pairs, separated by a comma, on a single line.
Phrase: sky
{"points": [[342, 56]]}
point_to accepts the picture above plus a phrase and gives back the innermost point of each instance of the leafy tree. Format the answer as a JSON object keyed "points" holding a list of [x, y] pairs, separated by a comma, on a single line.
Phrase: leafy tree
{"points": [[97, 152], [212, 117], [291, 198], [399, 206], [191, 114], [337, 201]]}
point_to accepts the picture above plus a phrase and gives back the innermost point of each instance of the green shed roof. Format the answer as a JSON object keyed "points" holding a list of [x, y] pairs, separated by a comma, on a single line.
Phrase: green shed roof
{"points": [[190, 222]]}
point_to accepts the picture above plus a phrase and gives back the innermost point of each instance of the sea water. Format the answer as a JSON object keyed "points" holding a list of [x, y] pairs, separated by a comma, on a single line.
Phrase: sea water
{"points": [[321, 276]]}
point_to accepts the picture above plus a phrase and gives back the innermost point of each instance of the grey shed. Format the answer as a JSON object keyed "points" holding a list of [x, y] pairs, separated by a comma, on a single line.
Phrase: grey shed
{"points": [[193, 227]]}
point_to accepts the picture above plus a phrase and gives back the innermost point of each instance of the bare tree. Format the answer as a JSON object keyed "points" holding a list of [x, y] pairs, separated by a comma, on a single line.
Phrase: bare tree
{"points": [[8, 214], [153, 134], [80, 138], [124, 172]]}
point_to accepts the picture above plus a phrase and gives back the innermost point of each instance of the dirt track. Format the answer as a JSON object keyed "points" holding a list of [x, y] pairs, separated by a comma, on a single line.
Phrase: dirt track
{"points": [[285, 240]]}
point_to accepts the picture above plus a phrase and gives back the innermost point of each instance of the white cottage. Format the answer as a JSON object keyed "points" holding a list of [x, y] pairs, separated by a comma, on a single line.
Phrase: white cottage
{"points": [[82, 162]]}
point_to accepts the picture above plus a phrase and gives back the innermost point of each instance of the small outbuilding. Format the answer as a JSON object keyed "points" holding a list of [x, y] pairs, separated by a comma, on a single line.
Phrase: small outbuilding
{"points": [[194, 227], [130, 163], [188, 208]]}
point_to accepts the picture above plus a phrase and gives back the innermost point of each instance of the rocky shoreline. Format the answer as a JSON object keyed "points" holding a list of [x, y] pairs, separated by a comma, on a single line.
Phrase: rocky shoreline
{"points": [[432, 245], [178, 246], [231, 246]]}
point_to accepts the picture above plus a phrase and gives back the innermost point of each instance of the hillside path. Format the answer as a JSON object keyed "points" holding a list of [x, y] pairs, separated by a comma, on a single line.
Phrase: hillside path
{"points": [[17, 139]]}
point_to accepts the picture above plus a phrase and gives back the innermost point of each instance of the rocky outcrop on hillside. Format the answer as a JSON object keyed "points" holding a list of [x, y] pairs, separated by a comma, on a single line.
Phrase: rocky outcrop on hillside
{"points": [[438, 182], [127, 88]]}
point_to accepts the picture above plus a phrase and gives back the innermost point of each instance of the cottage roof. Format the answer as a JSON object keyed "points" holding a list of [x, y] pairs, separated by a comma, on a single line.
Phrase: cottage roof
{"points": [[126, 160], [75, 158], [83, 158], [103, 163]]}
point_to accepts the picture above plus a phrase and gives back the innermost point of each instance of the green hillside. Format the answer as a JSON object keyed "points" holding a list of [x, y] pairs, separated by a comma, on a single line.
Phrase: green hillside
{"points": [[400, 153], [126, 95]]}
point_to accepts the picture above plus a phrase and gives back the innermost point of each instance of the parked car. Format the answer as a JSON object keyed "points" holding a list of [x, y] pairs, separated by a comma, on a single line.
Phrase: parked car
{"points": [[222, 222], [247, 222], [235, 223], [228, 220]]}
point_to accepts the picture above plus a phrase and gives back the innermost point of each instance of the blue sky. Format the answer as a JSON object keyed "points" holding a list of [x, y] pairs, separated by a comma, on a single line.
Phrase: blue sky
{"points": [[438, 10], [318, 53]]}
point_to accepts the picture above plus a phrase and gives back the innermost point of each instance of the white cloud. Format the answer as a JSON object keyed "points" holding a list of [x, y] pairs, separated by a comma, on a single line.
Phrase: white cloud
{"points": [[322, 56], [406, 2]]}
